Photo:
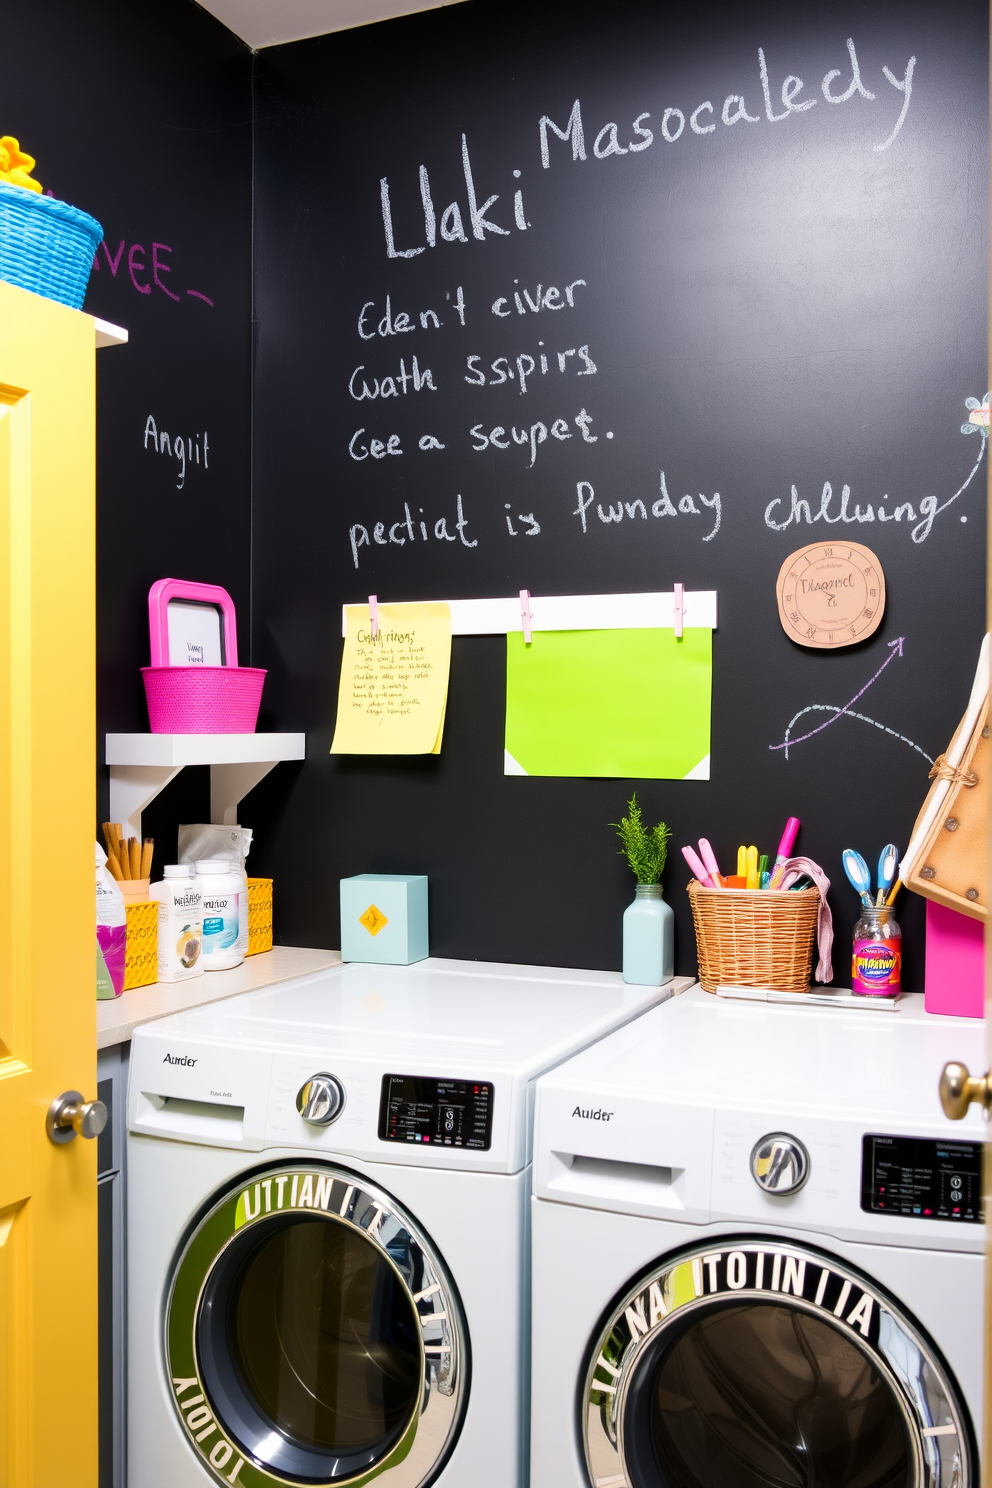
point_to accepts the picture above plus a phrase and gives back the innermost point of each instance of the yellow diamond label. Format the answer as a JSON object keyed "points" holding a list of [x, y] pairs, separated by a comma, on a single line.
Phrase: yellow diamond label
{"points": [[373, 919]]}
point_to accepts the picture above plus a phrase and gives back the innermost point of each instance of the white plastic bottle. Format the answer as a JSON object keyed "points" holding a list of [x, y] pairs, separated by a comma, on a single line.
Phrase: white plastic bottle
{"points": [[180, 924], [222, 887]]}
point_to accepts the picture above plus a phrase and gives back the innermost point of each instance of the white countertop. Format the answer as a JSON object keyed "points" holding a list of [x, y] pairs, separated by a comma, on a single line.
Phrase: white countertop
{"points": [[117, 1019]]}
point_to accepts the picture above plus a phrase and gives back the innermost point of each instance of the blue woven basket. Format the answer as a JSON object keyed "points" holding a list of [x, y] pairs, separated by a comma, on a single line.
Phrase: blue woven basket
{"points": [[46, 245]]}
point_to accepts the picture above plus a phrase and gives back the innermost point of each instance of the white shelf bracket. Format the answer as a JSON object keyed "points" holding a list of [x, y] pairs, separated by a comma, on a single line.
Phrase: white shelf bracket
{"points": [[132, 788], [141, 765], [229, 784]]}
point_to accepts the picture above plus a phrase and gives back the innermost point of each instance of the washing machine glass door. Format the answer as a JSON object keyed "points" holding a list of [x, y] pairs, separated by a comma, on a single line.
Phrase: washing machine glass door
{"points": [[314, 1336], [765, 1365]]}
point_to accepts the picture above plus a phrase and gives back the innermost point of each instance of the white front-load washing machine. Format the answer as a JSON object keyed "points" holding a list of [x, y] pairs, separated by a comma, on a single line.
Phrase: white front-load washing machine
{"points": [[757, 1253], [328, 1190]]}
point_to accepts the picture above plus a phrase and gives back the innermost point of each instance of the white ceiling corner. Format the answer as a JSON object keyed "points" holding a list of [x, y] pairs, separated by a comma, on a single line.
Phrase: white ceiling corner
{"points": [[263, 23]]}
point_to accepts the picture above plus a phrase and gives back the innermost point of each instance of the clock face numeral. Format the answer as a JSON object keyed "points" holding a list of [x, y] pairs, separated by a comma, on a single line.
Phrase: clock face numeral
{"points": [[831, 596]]}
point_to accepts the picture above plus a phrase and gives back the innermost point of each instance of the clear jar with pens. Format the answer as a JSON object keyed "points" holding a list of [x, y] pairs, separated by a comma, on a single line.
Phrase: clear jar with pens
{"points": [[876, 964]]}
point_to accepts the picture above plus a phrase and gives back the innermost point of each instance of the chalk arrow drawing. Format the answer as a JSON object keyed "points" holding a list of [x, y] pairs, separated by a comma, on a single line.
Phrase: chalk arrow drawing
{"points": [[894, 649], [850, 713]]}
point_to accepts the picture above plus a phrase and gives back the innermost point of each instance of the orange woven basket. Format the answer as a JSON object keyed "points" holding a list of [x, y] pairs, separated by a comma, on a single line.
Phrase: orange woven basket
{"points": [[141, 956], [754, 938], [259, 915]]}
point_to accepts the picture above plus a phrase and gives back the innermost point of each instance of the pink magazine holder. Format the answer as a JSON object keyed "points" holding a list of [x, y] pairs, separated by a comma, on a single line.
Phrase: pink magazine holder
{"points": [[198, 699]]}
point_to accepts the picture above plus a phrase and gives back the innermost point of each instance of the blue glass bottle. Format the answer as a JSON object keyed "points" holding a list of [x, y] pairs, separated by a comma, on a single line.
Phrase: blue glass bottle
{"points": [[648, 938]]}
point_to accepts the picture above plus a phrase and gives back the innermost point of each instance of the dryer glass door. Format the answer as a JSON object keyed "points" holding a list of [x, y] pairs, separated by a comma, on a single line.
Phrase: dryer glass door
{"points": [[769, 1366], [314, 1336]]}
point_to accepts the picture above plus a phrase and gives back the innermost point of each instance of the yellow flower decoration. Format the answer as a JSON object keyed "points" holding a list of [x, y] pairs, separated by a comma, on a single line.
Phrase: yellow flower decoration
{"points": [[15, 166]]}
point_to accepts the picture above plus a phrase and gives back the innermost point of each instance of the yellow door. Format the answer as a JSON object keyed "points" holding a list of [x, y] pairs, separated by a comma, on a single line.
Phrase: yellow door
{"points": [[48, 1214]]}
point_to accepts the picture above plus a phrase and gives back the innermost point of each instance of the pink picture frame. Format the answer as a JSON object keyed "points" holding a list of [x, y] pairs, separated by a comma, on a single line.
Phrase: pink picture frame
{"points": [[159, 596]]}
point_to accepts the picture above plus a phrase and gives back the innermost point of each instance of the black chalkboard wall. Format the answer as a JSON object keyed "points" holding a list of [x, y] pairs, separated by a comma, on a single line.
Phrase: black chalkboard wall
{"points": [[769, 303], [142, 116], [777, 290]]}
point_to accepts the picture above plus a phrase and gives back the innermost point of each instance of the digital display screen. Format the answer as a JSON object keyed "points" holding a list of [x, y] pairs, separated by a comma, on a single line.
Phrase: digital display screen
{"points": [[922, 1179], [437, 1113]]}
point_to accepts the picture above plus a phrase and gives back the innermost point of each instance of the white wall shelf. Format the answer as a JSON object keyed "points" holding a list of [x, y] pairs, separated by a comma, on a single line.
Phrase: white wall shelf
{"points": [[108, 334], [141, 765]]}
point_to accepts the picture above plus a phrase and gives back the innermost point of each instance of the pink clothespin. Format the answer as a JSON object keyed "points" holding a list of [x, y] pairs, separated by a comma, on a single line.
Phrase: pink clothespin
{"points": [[525, 614], [374, 615], [679, 610]]}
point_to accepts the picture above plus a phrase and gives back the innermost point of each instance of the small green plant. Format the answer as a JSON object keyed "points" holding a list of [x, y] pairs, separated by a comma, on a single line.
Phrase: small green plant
{"points": [[644, 848]]}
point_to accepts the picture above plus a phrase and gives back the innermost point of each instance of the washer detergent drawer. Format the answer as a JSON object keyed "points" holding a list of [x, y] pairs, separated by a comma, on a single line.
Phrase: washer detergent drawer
{"points": [[202, 1095], [642, 1157]]}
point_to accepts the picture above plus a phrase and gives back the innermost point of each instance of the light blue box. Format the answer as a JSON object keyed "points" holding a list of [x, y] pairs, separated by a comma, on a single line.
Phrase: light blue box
{"points": [[384, 918]]}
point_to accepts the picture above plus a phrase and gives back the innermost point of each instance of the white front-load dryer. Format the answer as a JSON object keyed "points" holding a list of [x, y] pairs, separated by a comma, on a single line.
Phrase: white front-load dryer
{"points": [[757, 1253], [328, 1190]]}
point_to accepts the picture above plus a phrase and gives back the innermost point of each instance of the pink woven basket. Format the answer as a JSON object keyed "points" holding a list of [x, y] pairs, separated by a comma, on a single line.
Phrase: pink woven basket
{"points": [[203, 700]]}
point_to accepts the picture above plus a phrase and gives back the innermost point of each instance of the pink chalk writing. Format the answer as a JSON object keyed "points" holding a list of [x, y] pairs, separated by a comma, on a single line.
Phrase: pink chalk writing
{"points": [[145, 268]]}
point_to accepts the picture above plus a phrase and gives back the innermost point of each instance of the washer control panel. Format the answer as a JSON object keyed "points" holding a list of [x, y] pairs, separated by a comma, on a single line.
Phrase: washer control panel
{"points": [[320, 1100], [439, 1112], [918, 1178]]}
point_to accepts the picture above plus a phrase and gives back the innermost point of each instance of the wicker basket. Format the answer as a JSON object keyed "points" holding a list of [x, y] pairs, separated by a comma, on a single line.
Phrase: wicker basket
{"points": [[754, 938], [259, 915], [141, 957], [46, 245], [203, 700]]}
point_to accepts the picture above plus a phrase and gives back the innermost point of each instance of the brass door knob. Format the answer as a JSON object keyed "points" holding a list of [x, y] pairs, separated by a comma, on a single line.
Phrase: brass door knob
{"points": [[958, 1089], [70, 1116]]}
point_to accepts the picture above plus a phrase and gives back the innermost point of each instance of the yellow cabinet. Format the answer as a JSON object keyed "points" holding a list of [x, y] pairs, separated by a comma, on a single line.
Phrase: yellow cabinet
{"points": [[48, 1213]]}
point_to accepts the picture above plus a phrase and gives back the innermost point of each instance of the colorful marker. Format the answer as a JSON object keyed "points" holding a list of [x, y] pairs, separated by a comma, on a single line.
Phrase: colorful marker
{"points": [[784, 850], [698, 869], [712, 866], [753, 881]]}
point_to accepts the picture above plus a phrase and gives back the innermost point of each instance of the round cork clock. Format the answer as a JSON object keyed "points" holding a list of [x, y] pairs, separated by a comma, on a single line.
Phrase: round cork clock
{"points": [[831, 594]]}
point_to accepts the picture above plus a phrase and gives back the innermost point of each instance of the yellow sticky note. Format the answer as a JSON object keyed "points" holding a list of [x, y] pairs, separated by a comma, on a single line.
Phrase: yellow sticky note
{"points": [[394, 687]]}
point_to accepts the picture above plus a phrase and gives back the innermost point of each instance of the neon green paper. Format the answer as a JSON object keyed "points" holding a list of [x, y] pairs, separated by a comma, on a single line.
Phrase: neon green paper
{"points": [[627, 703]]}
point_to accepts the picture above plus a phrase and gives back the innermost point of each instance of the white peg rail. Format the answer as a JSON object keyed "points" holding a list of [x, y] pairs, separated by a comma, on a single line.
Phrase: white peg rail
{"points": [[575, 612]]}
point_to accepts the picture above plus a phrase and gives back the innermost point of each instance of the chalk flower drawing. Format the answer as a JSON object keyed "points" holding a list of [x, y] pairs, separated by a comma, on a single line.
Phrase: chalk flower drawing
{"points": [[978, 418]]}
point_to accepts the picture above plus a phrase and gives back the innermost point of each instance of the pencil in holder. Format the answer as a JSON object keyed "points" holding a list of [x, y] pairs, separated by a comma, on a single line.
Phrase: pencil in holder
{"points": [[259, 915], [141, 956], [754, 938]]}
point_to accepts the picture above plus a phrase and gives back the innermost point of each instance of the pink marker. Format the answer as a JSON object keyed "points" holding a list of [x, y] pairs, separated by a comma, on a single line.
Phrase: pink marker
{"points": [[712, 866], [698, 869], [784, 850]]}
